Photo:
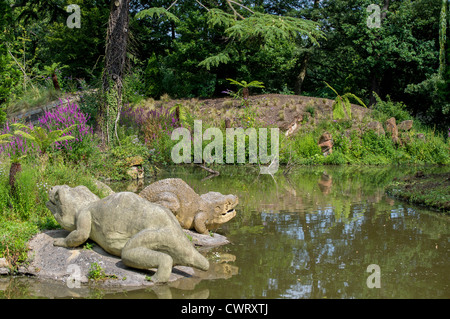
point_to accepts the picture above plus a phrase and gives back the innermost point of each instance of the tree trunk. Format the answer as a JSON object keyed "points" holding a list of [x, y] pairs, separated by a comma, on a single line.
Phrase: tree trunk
{"points": [[442, 38], [304, 65], [115, 60], [301, 76], [374, 89], [13, 171], [55, 82], [375, 85]]}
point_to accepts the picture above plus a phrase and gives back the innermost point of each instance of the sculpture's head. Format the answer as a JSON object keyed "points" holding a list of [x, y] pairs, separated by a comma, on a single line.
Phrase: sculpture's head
{"points": [[220, 208], [64, 203]]}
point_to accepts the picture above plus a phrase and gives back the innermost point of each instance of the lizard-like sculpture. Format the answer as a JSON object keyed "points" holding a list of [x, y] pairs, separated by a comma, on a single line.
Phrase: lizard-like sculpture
{"points": [[145, 235], [200, 212]]}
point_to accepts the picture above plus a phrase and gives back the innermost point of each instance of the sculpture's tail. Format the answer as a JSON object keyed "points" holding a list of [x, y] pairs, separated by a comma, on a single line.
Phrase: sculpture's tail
{"points": [[197, 260]]}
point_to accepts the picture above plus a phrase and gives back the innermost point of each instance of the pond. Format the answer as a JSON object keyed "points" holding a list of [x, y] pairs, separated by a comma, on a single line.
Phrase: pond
{"points": [[310, 234]]}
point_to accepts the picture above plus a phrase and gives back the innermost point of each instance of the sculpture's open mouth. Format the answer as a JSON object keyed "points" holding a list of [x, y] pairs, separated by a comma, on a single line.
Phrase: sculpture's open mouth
{"points": [[229, 214], [230, 211], [51, 205]]}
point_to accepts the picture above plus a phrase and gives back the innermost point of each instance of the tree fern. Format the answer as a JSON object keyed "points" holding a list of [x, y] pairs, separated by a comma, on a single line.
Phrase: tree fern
{"points": [[341, 106], [181, 113]]}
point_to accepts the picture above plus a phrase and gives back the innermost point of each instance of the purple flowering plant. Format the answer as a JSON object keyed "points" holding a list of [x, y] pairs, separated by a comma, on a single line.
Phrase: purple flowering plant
{"points": [[68, 118], [65, 128], [150, 123], [14, 146]]}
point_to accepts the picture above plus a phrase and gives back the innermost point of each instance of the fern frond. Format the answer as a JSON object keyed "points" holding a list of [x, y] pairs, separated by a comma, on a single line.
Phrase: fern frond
{"points": [[157, 12], [215, 60], [217, 17], [356, 98], [331, 88], [338, 109]]}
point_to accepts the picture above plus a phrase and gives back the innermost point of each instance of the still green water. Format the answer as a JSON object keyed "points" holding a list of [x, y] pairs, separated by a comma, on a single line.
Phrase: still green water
{"points": [[310, 234]]}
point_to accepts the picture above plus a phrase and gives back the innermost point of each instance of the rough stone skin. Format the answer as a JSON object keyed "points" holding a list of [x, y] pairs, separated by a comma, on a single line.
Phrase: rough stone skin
{"points": [[200, 212], [145, 235]]}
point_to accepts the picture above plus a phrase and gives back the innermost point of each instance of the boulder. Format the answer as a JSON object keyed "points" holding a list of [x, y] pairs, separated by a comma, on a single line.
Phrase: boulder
{"points": [[4, 266], [405, 125], [135, 161], [293, 127], [376, 127], [47, 261], [326, 143], [421, 136], [391, 127], [136, 172]]}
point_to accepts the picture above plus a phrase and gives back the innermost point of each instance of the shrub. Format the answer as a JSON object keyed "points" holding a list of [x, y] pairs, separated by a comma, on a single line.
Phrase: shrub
{"points": [[306, 146], [152, 124], [384, 110], [62, 118], [17, 146]]}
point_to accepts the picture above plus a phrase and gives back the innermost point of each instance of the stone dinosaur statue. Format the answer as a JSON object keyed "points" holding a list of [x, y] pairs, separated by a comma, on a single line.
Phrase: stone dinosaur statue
{"points": [[143, 234], [200, 212]]}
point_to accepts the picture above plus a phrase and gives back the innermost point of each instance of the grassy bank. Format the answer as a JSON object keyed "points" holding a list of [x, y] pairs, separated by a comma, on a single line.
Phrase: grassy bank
{"points": [[430, 190], [24, 213]]}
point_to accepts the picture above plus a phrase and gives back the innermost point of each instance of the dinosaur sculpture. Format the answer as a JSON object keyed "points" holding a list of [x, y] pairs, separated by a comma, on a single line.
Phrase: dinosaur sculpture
{"points": [[145, 235], [200, 212]]}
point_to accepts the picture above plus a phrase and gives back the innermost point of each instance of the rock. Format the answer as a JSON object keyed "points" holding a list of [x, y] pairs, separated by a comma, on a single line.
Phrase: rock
{"points": [[391, 127], [376, 127], [326, 143], [61, 264], [4, 266], [135, 161], [405, 125], [135, 172], [4, 263], [293, 127], [421, 136], [206, 240], [47, 261]]}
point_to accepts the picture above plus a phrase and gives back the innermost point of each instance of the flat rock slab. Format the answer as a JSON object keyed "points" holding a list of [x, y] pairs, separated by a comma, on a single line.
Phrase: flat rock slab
{"points": [[72, 265], [206, 240]]}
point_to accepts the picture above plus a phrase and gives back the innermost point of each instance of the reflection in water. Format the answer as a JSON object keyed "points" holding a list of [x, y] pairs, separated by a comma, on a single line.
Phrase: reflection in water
{"points": [[312, 234], [325, 183]]}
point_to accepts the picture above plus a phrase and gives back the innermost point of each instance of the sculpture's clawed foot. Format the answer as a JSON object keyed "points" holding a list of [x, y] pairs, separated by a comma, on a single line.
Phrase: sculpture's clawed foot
{"points": [[59, 242], [143, 258]]}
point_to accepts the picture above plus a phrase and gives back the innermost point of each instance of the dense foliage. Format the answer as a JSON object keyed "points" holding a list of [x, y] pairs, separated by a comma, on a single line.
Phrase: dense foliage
{"points": [[190, 51]]}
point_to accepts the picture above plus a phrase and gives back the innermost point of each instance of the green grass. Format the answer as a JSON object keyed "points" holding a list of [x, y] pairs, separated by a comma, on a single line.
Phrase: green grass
{"points": [[431, 190], [34, 97], [25, 214]]}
